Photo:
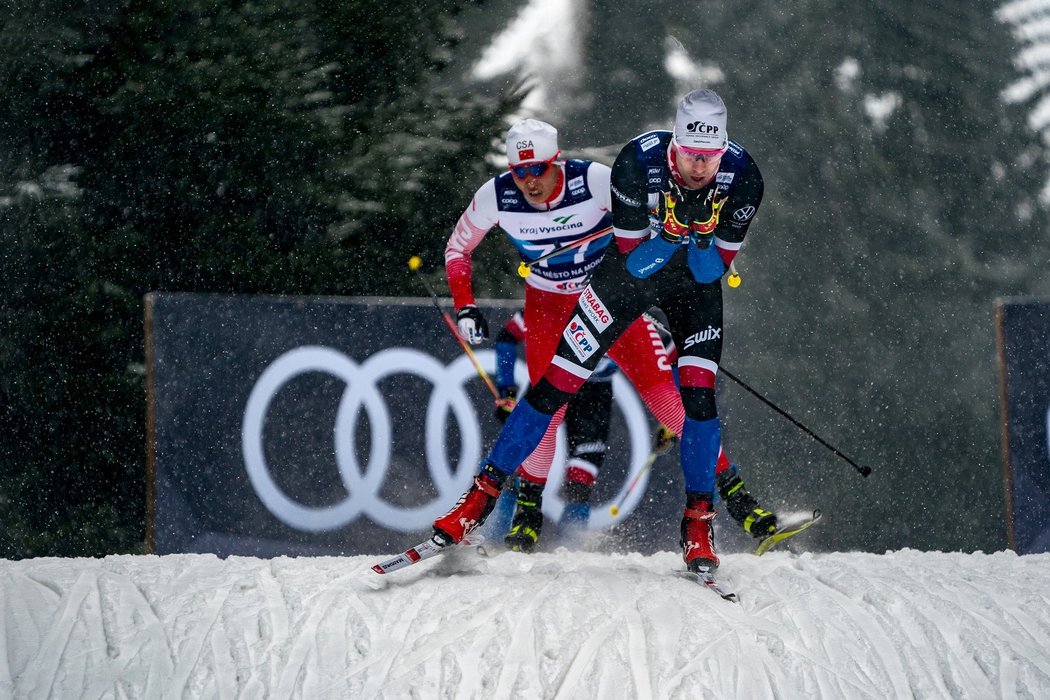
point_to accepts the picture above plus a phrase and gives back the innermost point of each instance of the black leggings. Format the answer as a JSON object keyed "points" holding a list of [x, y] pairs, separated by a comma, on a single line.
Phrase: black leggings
{"points": [[694, 315]]}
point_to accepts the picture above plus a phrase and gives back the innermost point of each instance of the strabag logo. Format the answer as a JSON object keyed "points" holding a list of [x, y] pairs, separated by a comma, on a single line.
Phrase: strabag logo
{"points": [[595, 310], [580, 339]]}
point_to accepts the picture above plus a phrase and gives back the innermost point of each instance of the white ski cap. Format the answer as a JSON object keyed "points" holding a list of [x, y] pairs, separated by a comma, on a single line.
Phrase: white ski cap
{"points": [[700, 123], [531, 141]]}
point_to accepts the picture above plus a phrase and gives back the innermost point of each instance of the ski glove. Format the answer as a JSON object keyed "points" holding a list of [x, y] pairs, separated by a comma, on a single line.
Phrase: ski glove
{"points": [[472, 325], [650, 257], [706, 263], [508, 398], [663, 440]]}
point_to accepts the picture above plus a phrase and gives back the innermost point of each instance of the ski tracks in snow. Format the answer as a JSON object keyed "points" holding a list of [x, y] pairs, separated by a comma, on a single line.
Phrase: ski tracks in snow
{"points": [[558, 625]]}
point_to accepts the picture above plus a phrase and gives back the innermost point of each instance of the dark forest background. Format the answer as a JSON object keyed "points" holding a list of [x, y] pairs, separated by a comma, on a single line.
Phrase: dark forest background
{"points": [[310, 147]]}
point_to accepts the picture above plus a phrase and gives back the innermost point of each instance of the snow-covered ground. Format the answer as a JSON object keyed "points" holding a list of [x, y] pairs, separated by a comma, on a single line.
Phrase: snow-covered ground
{"points": [[559, 625]]}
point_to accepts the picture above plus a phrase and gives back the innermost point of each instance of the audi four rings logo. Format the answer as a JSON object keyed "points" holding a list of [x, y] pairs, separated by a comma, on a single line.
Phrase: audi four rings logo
{"points": [[363, 485]]}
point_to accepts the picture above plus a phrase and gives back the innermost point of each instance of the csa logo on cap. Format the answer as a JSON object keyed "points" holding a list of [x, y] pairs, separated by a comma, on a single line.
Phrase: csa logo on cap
{"points": [[526, 154]]}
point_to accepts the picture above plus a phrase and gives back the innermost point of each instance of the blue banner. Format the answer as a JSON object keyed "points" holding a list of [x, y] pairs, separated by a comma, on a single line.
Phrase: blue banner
{"points": [[328, 426], [1024, 370]]}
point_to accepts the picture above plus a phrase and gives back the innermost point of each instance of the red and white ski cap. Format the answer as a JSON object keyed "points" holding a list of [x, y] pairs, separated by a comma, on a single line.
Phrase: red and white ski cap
{"points": [[531, 141], [700, 124]]}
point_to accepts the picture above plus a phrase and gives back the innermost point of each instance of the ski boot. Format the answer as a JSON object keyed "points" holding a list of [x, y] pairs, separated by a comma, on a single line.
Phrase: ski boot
{"points": [[743, 507], [470, 510], [528, 518], [698, 542], [577, 491], [577, 506], [498, 521]]}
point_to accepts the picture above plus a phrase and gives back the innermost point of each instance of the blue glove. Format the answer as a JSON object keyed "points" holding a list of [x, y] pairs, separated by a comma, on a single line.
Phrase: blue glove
{"points": [[706, 264], [648, 258]]}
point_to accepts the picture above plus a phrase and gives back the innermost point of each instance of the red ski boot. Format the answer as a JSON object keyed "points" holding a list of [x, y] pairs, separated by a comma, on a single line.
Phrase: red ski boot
{"points": [[469, 512], [698, 544]]}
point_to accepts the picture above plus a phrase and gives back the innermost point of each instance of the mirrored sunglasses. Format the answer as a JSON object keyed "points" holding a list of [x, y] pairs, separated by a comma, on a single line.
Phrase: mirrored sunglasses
{"points": [[534, 169]]}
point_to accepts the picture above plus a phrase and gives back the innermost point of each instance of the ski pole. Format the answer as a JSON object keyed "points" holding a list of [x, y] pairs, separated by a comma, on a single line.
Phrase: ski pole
{"points": [[413, 264], [863, 469], [662, 442], [525, 268], [615, 510]]}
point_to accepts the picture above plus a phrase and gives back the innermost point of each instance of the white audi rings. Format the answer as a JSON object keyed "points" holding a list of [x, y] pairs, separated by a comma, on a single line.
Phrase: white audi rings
{"points": [[363, 485]]}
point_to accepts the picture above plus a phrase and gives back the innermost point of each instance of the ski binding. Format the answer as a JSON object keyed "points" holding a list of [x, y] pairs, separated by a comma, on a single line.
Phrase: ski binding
{"points": [[425, 550], [707, 580]]}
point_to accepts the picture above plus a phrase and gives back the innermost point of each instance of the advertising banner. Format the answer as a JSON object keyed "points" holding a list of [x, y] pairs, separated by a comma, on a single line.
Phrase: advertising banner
{"points": [[337, 426], [1024, 369]]}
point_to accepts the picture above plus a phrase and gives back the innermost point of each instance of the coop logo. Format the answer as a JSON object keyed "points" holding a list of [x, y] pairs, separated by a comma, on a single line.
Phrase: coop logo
{"points": [[710, 333], [580, 339], [595, 310]]}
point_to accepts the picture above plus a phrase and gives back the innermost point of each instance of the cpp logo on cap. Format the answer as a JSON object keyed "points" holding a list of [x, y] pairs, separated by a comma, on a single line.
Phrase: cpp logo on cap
{"points": [[701, 128]]}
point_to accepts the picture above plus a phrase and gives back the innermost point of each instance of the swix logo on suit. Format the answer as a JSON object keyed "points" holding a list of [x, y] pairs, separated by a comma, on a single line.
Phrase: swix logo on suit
{"points": [[710, 333], [595, 310], [580, 339]]}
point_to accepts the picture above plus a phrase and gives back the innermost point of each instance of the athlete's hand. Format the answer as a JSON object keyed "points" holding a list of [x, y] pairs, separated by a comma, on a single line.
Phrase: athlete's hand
{"points": [[505, 403], [472, 325], [663, 440], [706, 264], [679, 210], [648, 258]]}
